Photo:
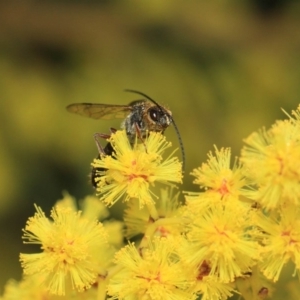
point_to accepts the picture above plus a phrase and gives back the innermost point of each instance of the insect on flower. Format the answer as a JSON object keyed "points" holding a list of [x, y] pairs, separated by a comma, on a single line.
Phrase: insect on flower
{"points": [[140, 117]]}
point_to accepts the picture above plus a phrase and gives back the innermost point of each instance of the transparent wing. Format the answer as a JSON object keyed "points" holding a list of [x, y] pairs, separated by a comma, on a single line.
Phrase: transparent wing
{"points": [[100, 111]]}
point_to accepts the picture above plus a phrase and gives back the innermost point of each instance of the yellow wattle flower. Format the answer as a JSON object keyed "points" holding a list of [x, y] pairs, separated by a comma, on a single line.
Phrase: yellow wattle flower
{"points": [[132, 170], [71, 247]]}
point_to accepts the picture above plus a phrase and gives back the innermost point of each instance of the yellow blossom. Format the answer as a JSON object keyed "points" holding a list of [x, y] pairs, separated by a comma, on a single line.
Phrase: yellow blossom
{"points": [[115, 232], [71, 247], [90, 206], [138, 220], [272, 159], [221, 236], [222, 185], [211, 288], [31, 288], [131, 170], [93, 209], [27, 289], [281, 242], [220, 181], [217, 175], [152, 273]]}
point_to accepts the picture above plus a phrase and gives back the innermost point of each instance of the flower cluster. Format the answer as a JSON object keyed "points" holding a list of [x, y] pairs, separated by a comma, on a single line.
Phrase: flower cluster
{"points": [[234, 235], [272, 160]]}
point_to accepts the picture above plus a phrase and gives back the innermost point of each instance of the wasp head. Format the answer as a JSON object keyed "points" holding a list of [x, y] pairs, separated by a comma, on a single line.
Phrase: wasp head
{"points": [[158, 118]]}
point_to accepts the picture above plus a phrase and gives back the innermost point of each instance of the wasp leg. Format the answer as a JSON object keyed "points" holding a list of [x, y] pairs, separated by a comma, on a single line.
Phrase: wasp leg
{"points": [[107, 150], [139, 134], [97, 137], [105, 136]]}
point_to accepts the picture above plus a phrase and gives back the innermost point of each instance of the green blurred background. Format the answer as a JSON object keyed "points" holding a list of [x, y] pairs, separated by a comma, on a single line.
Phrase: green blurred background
{"points": [[224, 68]]}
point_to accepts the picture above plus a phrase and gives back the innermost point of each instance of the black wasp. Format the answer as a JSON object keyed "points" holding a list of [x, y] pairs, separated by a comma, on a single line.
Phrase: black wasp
{"points": [[140, 117]]}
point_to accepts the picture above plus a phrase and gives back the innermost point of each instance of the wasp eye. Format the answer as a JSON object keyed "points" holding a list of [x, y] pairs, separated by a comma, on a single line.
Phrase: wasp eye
{"points": [[153, 114]]}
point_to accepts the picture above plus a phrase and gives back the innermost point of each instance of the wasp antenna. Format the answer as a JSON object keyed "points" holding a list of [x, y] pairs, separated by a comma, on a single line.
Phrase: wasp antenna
{"points": [[144, 95], [180, 144], [175, 126]]}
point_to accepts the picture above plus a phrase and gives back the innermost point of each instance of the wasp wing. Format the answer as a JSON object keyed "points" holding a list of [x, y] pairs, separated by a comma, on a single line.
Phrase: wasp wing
{"points": [[100, 111]]}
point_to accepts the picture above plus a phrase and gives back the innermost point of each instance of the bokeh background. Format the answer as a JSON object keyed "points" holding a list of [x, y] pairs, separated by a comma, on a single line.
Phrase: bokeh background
{"points": [[224, 68]]}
